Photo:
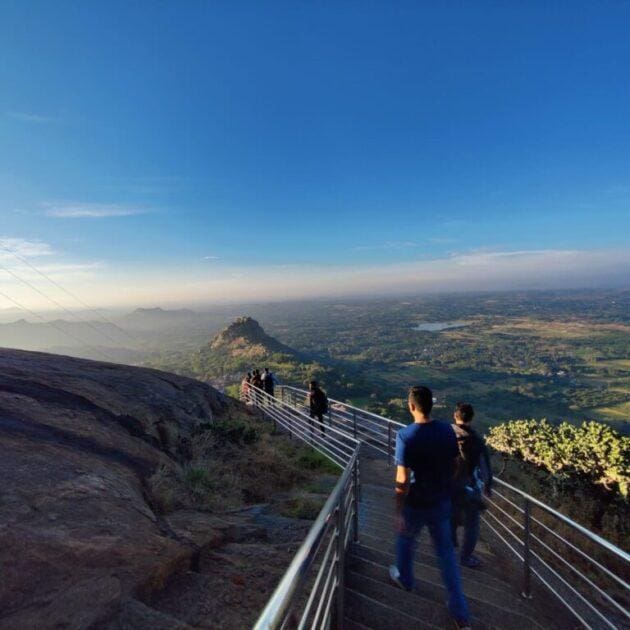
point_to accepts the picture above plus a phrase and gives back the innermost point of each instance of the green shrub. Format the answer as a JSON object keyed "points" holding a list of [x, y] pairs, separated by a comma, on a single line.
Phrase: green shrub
{"points": [[591, 451], [302, 506], [311, 459], [232, 431], [197, 478]]}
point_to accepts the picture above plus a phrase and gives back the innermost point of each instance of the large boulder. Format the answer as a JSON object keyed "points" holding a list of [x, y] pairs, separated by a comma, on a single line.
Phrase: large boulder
{"points": [[79, 536]]}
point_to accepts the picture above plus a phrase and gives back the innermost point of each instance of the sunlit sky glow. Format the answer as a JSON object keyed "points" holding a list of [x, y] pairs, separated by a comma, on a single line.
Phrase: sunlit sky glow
{"points": [[191, 152]]}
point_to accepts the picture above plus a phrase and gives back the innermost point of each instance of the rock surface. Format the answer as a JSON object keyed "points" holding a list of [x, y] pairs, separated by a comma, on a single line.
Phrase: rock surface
{"points": [[80, 542]]}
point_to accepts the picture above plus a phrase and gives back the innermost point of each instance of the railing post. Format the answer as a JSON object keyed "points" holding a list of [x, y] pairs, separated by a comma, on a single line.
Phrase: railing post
{"points": [[527, 571], [389, 444], [354, 423], [290, 423], [341, 556], [355, 485]]}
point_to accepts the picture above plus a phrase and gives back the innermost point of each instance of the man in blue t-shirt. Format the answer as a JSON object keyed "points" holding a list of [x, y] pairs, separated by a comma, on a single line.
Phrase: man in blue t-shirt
{"points": [[426, 453]]}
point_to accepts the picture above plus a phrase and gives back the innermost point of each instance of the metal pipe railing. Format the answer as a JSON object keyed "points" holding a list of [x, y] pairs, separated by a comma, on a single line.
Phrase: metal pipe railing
{"points": [[330, 534], [379, 433]]}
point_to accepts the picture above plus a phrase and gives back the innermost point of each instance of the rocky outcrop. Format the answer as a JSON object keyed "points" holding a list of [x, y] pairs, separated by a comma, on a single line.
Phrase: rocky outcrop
{"points": [[245, 334], [80, 540]]}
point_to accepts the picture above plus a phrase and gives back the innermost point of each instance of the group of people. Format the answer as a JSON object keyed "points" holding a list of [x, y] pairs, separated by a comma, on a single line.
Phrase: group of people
{"points": [[316, 399], [265, 380], [442, 471]]}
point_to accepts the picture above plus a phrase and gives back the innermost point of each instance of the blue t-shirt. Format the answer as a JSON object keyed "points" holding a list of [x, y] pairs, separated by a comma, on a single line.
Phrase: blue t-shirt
{"points": [[429, 449]]}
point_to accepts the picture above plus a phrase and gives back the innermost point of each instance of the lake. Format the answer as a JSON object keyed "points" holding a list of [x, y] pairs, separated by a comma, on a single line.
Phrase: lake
{"points": [[438, 326]]}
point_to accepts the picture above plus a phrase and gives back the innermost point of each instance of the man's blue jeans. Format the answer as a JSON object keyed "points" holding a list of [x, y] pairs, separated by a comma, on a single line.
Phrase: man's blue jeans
{"points": [[471, 530], [438, 520]]}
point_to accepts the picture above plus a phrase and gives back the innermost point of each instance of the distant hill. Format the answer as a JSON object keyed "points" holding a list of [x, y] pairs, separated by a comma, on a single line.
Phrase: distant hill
{"points": [[245, 339], [154, 318], [244, 345], [240, 347], [61, 333]]}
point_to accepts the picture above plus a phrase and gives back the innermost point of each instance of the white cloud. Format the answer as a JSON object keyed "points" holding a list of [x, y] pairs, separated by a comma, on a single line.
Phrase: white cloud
{"points": [[29, 117], [442, 240], [23, 248], [211, 258], [480, 258], [388, 245], [78, 210]]}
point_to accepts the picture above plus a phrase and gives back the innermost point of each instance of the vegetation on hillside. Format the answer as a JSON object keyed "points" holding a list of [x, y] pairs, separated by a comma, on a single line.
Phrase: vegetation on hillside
{"points": [[240, 460], [244, 345], [592, 451], [521, 355], [583, 470]]}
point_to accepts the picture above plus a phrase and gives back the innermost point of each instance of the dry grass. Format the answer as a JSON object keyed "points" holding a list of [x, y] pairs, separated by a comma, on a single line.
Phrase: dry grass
{"points": [[235, 462]]}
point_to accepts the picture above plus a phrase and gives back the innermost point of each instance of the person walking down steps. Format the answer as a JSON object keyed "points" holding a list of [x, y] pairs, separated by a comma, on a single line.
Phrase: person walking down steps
{"points": [[426, 453], [317, 404], [473, 476]]}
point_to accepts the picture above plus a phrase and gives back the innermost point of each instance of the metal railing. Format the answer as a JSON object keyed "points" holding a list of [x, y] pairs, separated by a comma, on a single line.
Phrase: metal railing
{"points": [[580, 568], [375, 432], [310, 594]]}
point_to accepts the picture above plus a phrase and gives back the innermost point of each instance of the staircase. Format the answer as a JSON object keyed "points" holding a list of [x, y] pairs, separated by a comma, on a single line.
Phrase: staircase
{"points": [[531, 576], [372, 601]]}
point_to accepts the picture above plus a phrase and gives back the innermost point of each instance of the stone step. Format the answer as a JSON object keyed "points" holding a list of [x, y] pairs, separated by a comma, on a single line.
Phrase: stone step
{"points": [[429, 600], [473, 583], [375, 615], [429, 585], [350, 624], [432, 613], [426, 555], [384, 521]]}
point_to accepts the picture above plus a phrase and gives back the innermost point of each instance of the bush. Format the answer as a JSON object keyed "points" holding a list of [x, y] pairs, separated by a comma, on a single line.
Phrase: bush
{"points": [[592, 451], [302, 506], [232, 431], [313, 460]]}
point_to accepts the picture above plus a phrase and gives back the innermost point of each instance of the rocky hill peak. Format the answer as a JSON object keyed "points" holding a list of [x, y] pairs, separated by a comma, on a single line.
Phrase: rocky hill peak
{"points": [[245, 331]]}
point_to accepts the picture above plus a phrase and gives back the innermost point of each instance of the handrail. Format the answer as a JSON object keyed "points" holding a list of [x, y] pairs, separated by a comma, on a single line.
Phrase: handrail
{"points": [[567, 521], [349, 406], [336, 522], [278, 605], [355, 422]]}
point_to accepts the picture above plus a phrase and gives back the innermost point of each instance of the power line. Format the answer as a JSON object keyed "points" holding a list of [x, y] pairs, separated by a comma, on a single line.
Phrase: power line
{"points": [[60, 306], [65, 332], [66, 291]]}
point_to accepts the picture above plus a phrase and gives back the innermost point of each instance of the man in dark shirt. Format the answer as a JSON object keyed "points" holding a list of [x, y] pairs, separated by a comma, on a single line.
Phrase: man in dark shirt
{"points": [[474, 474], [426, 452], [317, 404]]}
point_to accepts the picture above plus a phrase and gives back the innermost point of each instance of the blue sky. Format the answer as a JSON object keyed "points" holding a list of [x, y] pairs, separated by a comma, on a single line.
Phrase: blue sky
{"points": [[186, 151]]}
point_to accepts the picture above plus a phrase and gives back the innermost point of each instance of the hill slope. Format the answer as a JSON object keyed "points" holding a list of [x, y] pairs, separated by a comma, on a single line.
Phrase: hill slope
{"points": [[115, 482], [243, 346]]}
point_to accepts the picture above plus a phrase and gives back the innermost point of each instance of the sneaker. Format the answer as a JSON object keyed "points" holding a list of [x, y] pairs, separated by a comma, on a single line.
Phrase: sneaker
{"points": [[394, 576], [472, 562], [462, 625]]}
